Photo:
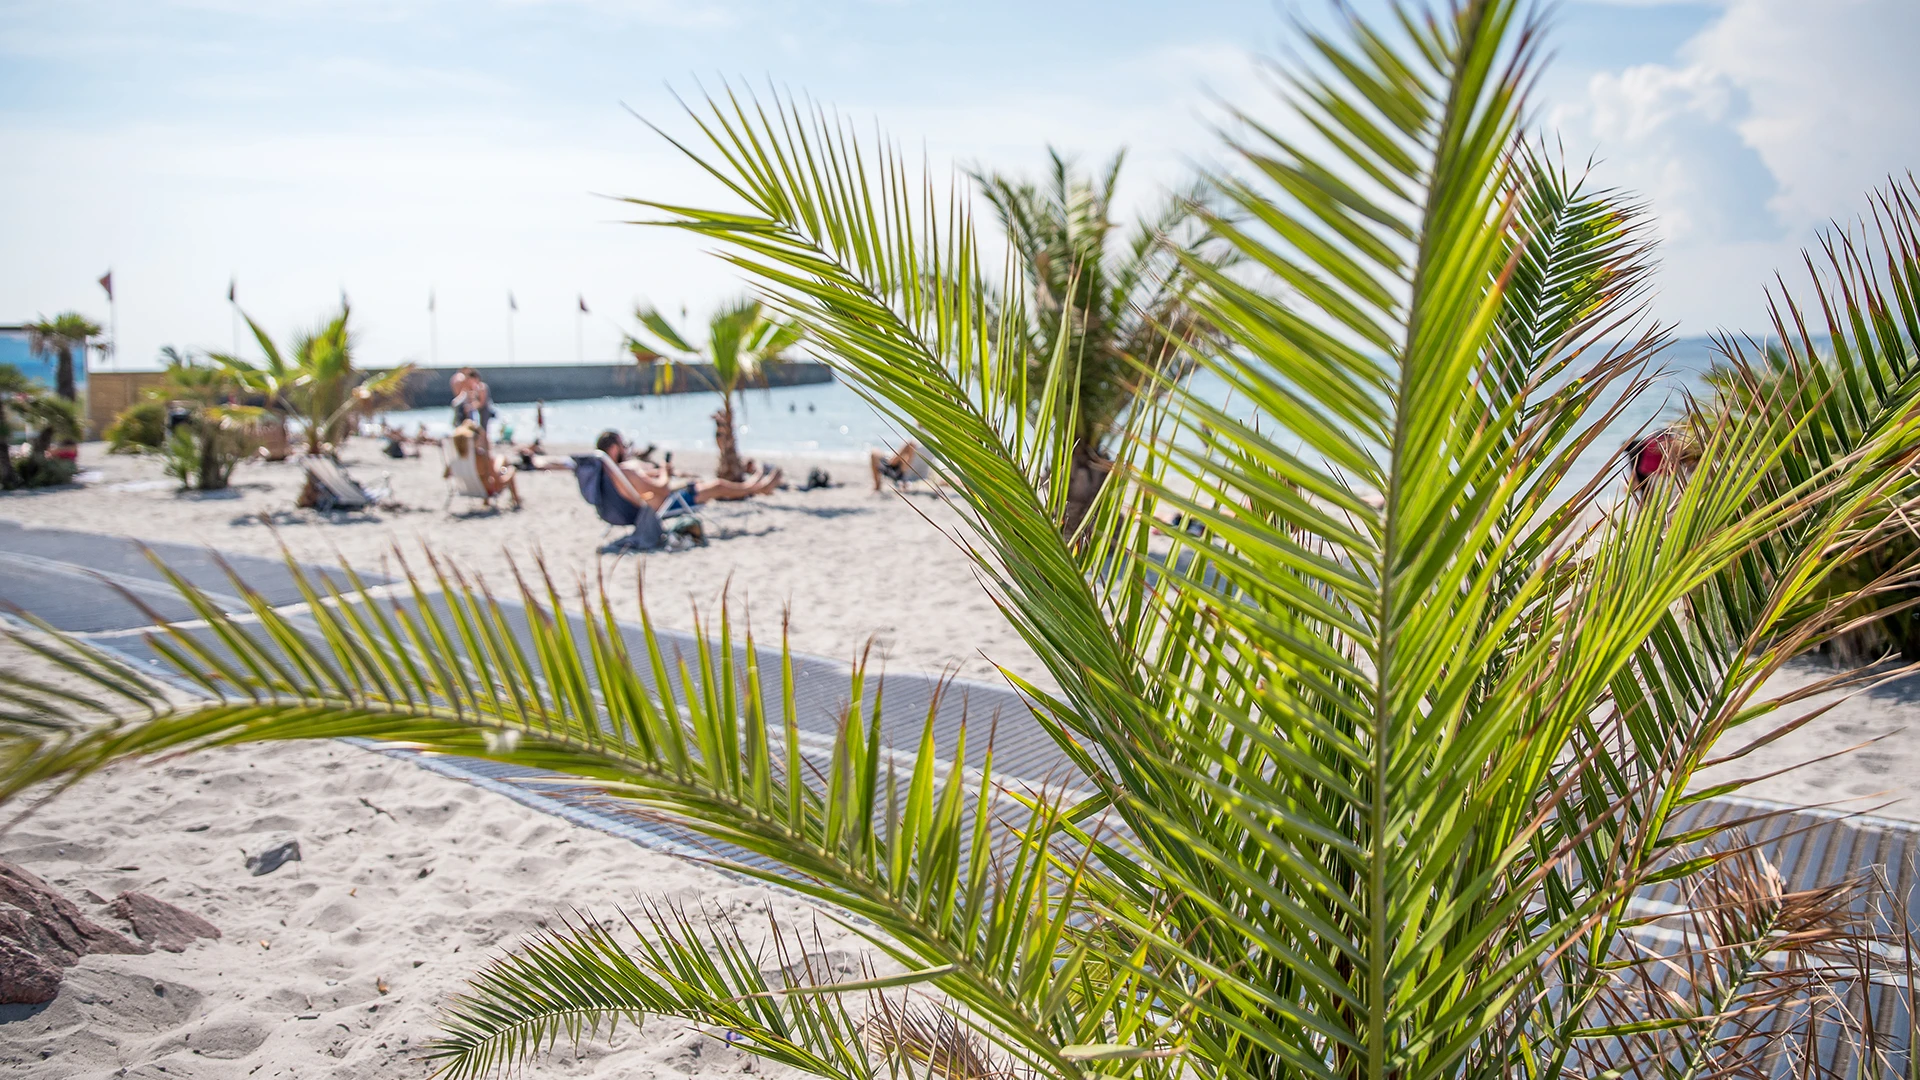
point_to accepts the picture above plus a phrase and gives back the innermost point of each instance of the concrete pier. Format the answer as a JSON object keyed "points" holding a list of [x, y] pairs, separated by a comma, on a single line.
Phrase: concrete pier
{"points": [[427, 387]]}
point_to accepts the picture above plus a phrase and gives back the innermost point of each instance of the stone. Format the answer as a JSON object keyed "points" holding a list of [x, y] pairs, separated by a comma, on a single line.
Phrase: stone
{"points": [[51, 925], [26, 977], [274, 858], [42, 932], [159, 923]]}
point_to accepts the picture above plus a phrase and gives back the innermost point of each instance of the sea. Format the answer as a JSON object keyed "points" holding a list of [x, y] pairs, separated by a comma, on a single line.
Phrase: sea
{"points": [[828, 422]]}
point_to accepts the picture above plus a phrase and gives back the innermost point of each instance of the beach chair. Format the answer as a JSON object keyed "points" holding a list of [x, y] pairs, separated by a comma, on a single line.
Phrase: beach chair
{"points": [[463, 480], [649, 530], [335, 490]]}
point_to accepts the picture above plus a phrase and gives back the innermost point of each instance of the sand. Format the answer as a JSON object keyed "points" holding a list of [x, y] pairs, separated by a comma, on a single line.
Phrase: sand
{"points": [[293, 987], [408, 880]]}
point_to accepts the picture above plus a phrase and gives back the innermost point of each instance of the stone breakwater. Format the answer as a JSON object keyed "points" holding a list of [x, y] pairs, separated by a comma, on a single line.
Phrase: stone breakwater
{"points": [[428, 387]]}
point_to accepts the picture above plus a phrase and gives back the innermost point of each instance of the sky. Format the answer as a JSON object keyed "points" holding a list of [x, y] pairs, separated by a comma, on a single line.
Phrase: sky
{"points": [[472, 149]]}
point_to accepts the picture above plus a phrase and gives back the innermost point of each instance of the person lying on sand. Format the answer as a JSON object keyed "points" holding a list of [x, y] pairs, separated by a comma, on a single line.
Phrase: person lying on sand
{"points": [[651, 486], [534, 458], [896, 467], [495, 474]]}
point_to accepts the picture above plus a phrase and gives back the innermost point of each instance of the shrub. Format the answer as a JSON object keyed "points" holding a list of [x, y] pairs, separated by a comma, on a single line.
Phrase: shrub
{"points": [[45, 471], [139, 428]]}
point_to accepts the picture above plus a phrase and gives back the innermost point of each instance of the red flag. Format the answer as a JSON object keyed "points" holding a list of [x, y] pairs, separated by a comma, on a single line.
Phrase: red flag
{"points": [[106, 282], [583, 306]]}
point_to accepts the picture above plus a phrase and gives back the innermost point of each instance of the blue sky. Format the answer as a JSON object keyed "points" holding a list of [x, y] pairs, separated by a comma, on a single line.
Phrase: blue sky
{"points": [[389, 149]]}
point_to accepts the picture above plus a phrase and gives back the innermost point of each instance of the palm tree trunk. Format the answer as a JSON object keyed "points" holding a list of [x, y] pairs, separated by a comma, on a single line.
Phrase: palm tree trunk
{"points": [[9, 479], [729, 467], [63, 374], [1091, 468]]}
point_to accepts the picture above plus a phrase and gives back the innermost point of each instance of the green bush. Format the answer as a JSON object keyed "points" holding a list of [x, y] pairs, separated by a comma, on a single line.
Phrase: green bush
{"points": [[45, 471], [138, 428]]}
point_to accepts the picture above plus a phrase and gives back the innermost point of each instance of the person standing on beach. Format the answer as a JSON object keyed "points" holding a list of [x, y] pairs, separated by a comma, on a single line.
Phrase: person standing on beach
{"points": [[458, 384], [479, 403]]}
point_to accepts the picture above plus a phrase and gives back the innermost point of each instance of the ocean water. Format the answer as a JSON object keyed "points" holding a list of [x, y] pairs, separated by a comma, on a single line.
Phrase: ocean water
{"points": [[829, 422]]}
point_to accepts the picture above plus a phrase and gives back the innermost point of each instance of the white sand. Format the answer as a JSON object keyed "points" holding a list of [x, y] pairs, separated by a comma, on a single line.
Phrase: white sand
{"points": [[850, 564], [292, 989]]}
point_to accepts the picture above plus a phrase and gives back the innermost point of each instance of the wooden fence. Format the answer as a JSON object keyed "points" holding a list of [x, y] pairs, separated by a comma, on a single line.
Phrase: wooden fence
{"points": [[110, 392]]}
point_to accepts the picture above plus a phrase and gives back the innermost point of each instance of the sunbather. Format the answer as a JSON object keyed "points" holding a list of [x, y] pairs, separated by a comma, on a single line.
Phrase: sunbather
{"points": [[897, 467], [534, 458], [652, 485], [495, 474]]}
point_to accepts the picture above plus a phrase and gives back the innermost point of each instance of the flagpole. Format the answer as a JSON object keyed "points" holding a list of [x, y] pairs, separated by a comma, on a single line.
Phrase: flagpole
{"points": [[112, 346], [511, 308], [579, 333], [233, 316], [433, 330]]}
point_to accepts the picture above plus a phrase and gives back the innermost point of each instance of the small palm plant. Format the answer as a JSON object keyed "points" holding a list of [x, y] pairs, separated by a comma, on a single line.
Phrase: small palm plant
{"points": [[740, 337], [1371, 770], [58, 337], [1110, 305], [315, 379], [220, 431]]}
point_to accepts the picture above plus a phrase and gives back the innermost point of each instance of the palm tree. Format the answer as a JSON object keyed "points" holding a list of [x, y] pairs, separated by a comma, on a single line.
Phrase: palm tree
{"points": [[1370, 772], [1111, 307], [58, 337], [315, 380], [740, 337]]}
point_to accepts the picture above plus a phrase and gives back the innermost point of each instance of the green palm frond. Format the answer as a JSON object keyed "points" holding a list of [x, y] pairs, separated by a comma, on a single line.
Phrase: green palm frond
{"points": [[580, 982], [315, 379]]}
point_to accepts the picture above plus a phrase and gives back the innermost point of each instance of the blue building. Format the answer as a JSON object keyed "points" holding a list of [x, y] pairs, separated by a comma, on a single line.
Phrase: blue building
{"points": [[14, 350]]}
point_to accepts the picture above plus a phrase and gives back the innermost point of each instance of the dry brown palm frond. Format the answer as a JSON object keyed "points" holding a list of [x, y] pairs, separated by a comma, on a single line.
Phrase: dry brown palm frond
{"points": [[1748, 978], [927, 1040]]}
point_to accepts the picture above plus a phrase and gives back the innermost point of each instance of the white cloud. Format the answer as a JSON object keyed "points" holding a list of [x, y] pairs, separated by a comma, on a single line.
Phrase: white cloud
{"points": [[1670, 135], [1776, 118], [1832, 87]]}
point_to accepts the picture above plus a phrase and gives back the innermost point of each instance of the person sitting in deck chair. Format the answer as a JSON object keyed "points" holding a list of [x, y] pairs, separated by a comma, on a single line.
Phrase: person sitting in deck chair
{"points": [[638, 482], [897, 467], [633, 495], [470, 450]]}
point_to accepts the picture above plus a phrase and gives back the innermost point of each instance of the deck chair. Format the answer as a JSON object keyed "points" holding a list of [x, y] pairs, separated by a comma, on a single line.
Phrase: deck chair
{"points": [[334, 489], [650, 530], [463, 480]]}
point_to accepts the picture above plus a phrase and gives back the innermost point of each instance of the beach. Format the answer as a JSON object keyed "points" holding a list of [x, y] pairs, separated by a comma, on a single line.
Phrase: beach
{"points": [[850, 566], [338, 965], [401, 865]]}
